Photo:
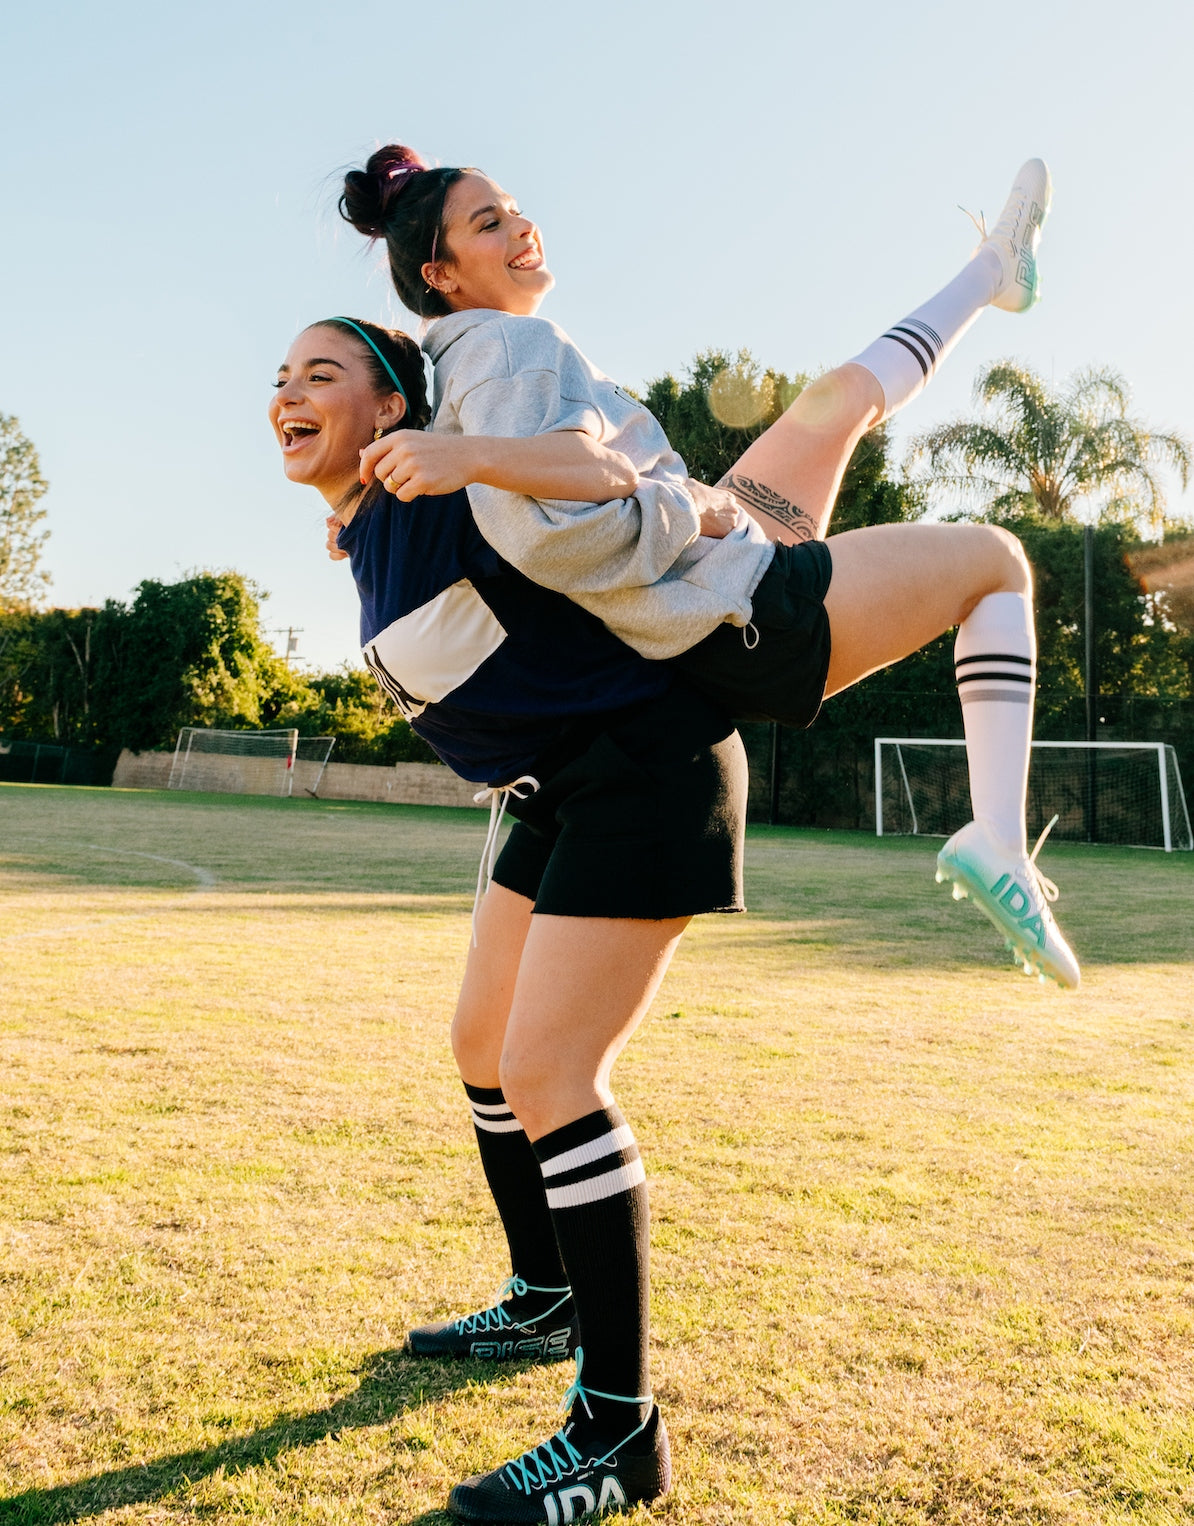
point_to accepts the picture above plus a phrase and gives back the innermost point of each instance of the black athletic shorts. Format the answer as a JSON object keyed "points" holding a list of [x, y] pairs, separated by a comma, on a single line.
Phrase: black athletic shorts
{"points": [[781, 675], [639, 813]]}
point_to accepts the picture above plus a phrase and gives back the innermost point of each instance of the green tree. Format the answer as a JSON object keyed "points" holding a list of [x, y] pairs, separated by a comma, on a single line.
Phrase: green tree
{"points": [[182, 654], [190, 654], [22, 581], [351, 706], [1051, 452], [726, 401]]}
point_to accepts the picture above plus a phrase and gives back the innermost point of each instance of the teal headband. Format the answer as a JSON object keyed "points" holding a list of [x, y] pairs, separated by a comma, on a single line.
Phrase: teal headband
{"points": [[389, 368]]}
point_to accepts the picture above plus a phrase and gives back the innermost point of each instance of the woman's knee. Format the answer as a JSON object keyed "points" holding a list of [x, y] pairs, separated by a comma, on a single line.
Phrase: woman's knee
{"points": [[1009, 561], [477, 1035], [527, 1077]]}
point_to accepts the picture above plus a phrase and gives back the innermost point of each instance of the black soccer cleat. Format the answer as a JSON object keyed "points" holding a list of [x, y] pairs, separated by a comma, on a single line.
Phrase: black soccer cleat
{"points": [[519, 1329], [558, 1482], [575, 1475]]}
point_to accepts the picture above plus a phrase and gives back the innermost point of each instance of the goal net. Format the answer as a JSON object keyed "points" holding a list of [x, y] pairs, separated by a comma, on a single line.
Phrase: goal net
{"points": [[248, 762], [310, 760], [1105, 792]]}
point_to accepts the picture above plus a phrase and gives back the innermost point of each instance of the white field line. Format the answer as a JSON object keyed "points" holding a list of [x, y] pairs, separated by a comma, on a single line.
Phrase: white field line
{"points": [[205, 880]]}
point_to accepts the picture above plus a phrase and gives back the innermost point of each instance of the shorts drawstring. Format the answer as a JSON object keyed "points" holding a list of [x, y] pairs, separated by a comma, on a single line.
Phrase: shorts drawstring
{"points": [[498, 796], [748, 630]]}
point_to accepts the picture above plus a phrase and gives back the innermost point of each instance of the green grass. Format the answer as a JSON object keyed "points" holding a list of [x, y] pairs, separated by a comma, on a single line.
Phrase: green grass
{"points": [[923, 1231]]}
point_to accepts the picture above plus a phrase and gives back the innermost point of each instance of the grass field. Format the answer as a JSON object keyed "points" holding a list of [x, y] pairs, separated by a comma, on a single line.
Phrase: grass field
{"points": [[923, 1231]]}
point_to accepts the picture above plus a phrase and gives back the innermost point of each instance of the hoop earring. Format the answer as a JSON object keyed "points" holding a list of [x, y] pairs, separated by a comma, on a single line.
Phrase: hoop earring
{"points": [[377, 433]]}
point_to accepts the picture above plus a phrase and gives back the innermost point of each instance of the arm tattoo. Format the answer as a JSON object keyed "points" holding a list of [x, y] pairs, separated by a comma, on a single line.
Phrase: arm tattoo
{"points": [[758, 497]]}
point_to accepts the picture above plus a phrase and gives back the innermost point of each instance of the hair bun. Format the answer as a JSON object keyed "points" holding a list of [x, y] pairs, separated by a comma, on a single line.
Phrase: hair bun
{"points": [[369, 193]]}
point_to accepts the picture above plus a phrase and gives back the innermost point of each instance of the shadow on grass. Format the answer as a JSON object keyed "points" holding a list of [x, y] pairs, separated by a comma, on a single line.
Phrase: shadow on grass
{"points": [[392, 1384]]}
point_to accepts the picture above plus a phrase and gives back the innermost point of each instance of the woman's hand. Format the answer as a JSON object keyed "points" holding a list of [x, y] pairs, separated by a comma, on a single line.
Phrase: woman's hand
{"points": [[718, 509], [335, 525], [410, 462]]}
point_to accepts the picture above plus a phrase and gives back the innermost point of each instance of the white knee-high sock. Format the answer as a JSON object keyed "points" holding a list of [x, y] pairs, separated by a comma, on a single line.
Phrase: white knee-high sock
{"points": [[995, 662], [904, 358]]}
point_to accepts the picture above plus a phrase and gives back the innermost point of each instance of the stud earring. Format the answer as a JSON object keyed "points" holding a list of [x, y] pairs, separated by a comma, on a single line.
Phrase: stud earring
{"points": [[377, 433]]}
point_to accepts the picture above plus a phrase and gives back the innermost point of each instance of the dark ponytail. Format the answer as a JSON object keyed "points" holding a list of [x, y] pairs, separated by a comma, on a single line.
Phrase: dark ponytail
{"points": [[399, 198]]}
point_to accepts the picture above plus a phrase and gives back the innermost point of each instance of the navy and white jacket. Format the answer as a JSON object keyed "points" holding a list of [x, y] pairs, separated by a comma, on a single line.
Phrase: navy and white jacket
{"points": [[485, 665]]}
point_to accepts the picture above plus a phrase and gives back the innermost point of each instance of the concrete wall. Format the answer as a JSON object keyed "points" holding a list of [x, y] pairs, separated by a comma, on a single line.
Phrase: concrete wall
{"points": [[403, 784]]}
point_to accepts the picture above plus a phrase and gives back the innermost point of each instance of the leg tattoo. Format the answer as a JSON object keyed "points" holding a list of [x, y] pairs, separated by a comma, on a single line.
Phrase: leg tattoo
{"points": [[758, 498]]}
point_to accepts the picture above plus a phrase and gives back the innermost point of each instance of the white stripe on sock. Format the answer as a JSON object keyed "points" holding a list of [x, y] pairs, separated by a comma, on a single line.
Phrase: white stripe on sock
{"points": [[585, 1154], [508, 1125], [492, 1107], [621, 1179]]}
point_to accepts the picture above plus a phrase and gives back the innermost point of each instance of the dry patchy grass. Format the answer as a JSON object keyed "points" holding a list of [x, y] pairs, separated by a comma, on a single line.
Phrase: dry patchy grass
{"points": [[923, 1232]]}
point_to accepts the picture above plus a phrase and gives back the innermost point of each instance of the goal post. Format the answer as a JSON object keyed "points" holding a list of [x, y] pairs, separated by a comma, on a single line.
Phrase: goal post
{"points": [[1107, 792], [310, 760], [234, 762]]}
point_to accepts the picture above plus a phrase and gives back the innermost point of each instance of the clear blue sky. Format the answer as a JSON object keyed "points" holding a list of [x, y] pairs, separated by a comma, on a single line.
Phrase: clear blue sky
{"points": [[774, 175]]}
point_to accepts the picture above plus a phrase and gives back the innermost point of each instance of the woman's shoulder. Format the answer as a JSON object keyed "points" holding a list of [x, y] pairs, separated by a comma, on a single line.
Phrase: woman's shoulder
{"points": [[427, 536], [508, 341], [381, 516]]}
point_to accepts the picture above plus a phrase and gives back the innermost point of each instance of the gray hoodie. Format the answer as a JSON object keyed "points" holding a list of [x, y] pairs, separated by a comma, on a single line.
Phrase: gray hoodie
{"points": [[639, 564]]}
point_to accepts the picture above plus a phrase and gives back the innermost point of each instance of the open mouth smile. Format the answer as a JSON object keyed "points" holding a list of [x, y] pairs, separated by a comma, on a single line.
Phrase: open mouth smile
{"points": [[530, 259], [296, 433]]}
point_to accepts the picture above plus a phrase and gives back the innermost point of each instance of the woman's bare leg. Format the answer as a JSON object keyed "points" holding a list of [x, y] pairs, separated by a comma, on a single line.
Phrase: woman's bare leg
{"points": [[536, 1320], [788, 479], [479, 1026], [895, 588], [584, 985]]}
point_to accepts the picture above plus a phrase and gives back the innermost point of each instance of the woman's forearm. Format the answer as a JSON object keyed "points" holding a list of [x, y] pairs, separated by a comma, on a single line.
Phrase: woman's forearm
{"points": [[566, 464]]}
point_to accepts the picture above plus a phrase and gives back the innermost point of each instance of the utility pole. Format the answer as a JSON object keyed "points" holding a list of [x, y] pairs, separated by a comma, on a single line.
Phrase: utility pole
{"points": [[292, 633], [1091, 684]]}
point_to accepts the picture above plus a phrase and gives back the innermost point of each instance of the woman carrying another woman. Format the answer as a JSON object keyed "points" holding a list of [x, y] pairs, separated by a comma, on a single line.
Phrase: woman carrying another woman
{"points": [[635, 823], [634, 826]]}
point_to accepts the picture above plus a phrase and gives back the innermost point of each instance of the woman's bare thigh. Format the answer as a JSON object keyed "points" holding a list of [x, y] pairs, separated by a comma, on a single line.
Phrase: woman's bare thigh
{"points": [[895, 588], [788, 479], [584, 985]]}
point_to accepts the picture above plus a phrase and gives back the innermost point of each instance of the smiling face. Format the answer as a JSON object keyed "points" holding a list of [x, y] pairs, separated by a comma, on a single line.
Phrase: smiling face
{"points": [[491, 255], [326, 408]]}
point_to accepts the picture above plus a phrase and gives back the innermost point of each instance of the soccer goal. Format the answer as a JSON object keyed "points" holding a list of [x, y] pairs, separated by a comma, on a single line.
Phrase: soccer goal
{"points": [[1106, 792], [248, 762]]}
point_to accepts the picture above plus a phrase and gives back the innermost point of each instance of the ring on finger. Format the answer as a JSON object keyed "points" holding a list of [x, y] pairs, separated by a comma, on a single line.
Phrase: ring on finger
{"points": [[390, 485]]}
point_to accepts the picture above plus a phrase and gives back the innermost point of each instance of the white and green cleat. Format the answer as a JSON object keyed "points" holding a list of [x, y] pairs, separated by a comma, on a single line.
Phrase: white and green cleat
{"points": [[1016, 237], [1014, 895]]}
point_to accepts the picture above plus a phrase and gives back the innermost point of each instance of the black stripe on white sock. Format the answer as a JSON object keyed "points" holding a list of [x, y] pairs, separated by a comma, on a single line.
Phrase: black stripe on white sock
{"points": [[598, 1168], [919, 340], [988, 677]]}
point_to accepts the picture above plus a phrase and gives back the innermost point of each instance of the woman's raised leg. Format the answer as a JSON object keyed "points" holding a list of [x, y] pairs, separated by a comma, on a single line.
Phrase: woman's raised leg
{"points": [[584, 985], [789, 478], [896, 587]]}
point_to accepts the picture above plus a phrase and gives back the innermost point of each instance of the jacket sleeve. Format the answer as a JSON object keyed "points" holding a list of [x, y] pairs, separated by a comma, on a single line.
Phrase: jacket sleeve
{"points": [[571, 547]]}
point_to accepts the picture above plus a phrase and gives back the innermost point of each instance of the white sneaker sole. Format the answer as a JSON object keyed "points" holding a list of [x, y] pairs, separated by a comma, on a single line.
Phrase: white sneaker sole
{"points": [[968, 884]]}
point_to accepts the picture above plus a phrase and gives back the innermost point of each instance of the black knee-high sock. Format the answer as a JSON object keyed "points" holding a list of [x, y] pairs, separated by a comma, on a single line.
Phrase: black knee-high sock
{"points": [[597, 1193], [516, 1182]]}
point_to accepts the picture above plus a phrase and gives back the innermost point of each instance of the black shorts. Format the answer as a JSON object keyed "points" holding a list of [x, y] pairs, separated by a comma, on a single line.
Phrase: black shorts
{"points": [[781, 676], [640, 813]]}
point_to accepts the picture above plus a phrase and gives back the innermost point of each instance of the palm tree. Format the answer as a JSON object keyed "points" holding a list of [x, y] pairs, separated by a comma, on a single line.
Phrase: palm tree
{"points": [[1051, 451]]}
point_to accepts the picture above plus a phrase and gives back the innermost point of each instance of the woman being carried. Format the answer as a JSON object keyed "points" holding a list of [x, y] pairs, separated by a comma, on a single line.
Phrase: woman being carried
{"points": [[818, 616]]}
